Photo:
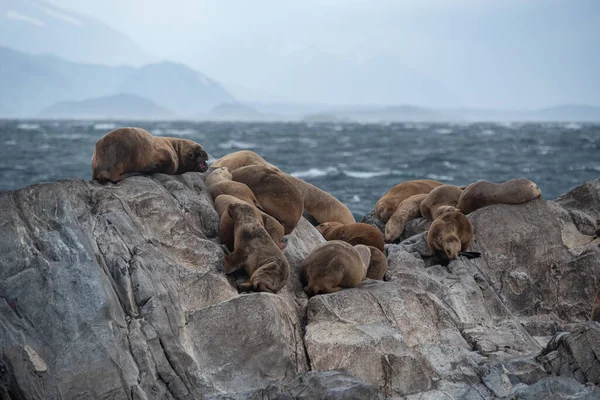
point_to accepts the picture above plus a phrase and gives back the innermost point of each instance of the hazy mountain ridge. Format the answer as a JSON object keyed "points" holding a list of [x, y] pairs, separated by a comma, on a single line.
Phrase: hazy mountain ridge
{"points": [[108, 107], [30, 84], [39, 27]]}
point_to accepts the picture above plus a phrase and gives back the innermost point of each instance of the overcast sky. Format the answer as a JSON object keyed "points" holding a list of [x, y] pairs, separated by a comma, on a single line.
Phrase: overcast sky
{"points": [[495, 53]]}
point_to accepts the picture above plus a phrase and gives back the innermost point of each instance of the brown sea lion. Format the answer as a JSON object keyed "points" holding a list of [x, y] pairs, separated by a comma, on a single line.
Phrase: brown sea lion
{"points": [[483, 193], [444, 209], [239, 159], [255, 252], [219, 182], [356, 233], [451, 233], [387, 204], [134, 150], [226, 226], [320, 204], [275, 193], [378, 264], [407, 209], [445, 195], [596, 308], [334, 265]]}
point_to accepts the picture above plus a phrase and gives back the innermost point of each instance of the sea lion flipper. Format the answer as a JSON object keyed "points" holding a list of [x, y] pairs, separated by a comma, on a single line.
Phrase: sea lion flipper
{"points": [[469, 254], [245, 287], [232, 263]]}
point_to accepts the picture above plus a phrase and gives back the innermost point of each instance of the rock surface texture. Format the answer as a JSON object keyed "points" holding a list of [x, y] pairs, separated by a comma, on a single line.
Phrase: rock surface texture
{"points": [[118, 292]]}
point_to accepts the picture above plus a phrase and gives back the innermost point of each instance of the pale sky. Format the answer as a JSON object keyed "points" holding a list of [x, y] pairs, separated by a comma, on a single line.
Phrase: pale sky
{"points": [[486, 54]]}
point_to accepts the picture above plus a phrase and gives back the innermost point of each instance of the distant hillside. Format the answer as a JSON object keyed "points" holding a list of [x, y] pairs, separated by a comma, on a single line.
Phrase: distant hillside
{"points": [[117, 106], [235, 112], [30, 84], [378, 114], [570, 112], [38, 27]]}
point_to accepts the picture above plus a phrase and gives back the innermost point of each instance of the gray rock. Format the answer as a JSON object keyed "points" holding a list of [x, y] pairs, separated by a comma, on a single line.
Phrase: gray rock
{"points": [[118, 291], [372, 219]]}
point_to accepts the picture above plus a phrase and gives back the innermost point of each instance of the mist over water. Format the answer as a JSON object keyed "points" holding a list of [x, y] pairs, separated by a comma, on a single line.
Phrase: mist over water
{"points": [[357, 163]]}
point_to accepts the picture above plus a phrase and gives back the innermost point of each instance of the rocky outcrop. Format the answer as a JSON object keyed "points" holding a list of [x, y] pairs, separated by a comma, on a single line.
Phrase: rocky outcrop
{"points": [[118, 291]]}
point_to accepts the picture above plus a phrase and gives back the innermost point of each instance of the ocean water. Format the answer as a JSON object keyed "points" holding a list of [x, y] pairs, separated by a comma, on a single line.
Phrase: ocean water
{"points": [[357, 163]]}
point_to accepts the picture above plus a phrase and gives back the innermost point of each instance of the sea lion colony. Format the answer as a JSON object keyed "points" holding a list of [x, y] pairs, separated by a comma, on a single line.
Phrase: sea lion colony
{"points": [[259, 204]]}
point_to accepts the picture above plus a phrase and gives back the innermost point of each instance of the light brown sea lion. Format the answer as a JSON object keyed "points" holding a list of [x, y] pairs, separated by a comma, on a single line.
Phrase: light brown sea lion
{"points": [[226, 226], [239, 159], [320, 204], [445, 195], [444, 209], [130, 150], [275, 193], [255, 252], [596, 308], [378, 264], [484, 193], [334, 265], [387, 204], [356, 233], [219, 182], [450, 232], [408, 209]]}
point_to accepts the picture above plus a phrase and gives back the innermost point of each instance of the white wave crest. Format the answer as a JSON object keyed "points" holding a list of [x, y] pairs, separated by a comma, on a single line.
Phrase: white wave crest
{"points": [[366, 174], [28, 127], [234, 144], [315, 172], [104, 127], [440, 177]]}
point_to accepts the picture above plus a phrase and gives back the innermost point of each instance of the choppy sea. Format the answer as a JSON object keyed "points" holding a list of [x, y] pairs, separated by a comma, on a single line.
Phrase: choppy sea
{"points": [[354, 162]]}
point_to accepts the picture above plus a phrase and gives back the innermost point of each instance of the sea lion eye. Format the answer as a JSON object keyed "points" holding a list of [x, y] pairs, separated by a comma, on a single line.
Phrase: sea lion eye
{"points": [[190, 155]]}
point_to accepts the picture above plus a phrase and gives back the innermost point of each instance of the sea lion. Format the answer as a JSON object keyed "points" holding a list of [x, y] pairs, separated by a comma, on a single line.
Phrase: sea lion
{"points": [[219, 182], [445, 195], [387, 204], [378, 264], [596, 308], [226, 226], [275, 193], [408, 209], [451, 233], [483, 193], [130, 150], [356, 233], [320, 204], [334, 265], [255, 252], [239, 159]]}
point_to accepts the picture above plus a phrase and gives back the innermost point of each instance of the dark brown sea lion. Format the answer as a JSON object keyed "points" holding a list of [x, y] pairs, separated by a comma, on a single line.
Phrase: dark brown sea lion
{"points": [[134, 150]]}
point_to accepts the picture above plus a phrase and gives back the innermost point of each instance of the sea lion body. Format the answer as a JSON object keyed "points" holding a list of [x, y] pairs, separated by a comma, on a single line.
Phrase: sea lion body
{"points": [[255, 252], [320, 204], [387, 204], [451, 233], [220, 182], [334, 265], [355, 233], [275, 193], [445, 195], [226, 225], [483, 193], [378, 264], [408, 209], [134, 150]]}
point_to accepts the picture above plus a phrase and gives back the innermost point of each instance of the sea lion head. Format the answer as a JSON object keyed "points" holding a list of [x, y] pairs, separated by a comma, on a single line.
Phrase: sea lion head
{"points": [[452, 246], [444, 209], [384, 209], [192, 156], [528, 190], [241, 211], [326, 227]]}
